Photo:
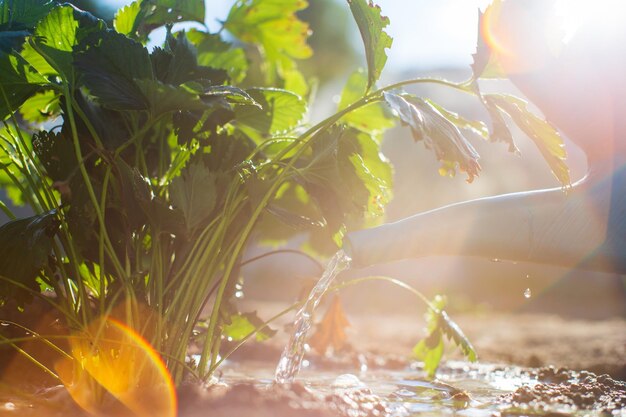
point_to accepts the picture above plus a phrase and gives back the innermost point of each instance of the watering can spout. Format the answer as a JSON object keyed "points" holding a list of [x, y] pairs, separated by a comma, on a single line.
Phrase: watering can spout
{"points": [[579, 227]]}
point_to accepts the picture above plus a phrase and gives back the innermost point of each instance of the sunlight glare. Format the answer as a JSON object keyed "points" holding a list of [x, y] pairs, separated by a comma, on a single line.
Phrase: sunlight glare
{"points": [[605, 17]]}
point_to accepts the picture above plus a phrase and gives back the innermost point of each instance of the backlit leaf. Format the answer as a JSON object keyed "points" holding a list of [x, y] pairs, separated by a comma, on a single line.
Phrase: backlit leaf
{"points": [[439, 134], [544, 135], [331, 331], [485, 63], [454, 333], [280, 111], [499, 130], [127, 18], [60, 31], [274, 26], [244, 324], [215, 53], [41, 106], [19, 82], [161, 12], [373, 118], [372, 27]]}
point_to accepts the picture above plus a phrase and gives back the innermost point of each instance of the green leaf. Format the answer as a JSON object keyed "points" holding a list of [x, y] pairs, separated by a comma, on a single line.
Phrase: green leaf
{"points": [[127, 19], [56, 154], [429, 125], [161, 12], [164, 98], [281, 111], [41, 107], [373, 118], [274, 25], [454, 333], [543, 134], [110, 63], [215, 53], [24, 248], [485, 63], [243, 324], [62, 30], [430, 351], [195, 193], [23, 14], [371, 25], [19, 82]]}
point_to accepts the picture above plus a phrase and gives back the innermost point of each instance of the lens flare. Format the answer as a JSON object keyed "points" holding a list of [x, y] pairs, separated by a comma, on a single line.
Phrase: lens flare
{"points": [[111, 358]]}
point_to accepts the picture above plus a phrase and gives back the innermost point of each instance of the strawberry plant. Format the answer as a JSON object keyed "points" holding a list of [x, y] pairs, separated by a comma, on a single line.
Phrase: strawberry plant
{"points": [[150, 172]]}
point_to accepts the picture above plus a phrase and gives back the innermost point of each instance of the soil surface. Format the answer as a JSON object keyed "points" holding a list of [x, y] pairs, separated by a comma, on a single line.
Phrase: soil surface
{"points": [[592, 355]]}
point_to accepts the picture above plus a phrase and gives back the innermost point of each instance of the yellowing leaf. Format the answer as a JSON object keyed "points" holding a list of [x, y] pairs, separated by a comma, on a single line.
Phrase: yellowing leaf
{"points": [[546, 137], [110, 357], [438, 133], [331, 330]]}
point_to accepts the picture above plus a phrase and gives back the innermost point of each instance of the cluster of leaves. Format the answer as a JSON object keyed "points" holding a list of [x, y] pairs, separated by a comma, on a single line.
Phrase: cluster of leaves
{"points": [[150, 171]]}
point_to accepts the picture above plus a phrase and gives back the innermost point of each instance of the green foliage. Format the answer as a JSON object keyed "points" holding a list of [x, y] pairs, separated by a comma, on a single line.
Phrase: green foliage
{"points": [[273, 26], [155, 170], [439, 324], [32, 236], [372, 27]]}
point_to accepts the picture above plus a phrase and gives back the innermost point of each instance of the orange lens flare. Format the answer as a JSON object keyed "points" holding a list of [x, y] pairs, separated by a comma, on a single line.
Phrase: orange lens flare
{"points": [[111, 358]]}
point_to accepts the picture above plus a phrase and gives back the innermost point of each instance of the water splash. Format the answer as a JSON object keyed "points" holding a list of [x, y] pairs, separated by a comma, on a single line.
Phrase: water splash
{"points": [[291, 359], [528, 293]]}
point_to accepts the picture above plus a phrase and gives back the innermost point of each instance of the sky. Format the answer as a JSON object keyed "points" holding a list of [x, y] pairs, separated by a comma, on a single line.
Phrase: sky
{"points": [[427, 33]]}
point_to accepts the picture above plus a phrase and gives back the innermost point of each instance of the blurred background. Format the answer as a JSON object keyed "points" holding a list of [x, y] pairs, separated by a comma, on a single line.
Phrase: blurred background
{"points": [[431, 38]]}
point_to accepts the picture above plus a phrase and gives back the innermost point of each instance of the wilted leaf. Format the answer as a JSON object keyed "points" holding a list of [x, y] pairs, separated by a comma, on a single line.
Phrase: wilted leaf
{"points": [[243, 324], [499, 130], [280, 111], [439, 134], [475, 126], [331, 330], [274, 26], [24, 248], [546, 137], [371, 25], [194, 192], [373, 118]]}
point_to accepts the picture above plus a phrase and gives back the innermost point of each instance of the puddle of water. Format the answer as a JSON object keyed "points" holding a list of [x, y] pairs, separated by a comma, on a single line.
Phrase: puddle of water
{"points": [[409, 394]]}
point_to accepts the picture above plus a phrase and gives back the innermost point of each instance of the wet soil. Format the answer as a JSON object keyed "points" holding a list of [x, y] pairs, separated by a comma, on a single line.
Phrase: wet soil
{"points": [[587, 358]]}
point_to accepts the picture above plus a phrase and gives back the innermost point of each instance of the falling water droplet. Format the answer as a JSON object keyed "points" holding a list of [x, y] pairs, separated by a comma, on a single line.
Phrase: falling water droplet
{"points": [[495, 260], [527, 293], [238, 294], [527, 276]]}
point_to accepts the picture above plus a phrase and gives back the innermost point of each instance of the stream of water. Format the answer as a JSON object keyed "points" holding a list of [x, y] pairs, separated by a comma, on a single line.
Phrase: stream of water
{"points": [[291, 359]]}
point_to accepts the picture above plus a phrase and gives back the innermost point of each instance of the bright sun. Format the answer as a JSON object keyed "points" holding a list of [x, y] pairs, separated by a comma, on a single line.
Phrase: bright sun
{"points": [[604, 17]]}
